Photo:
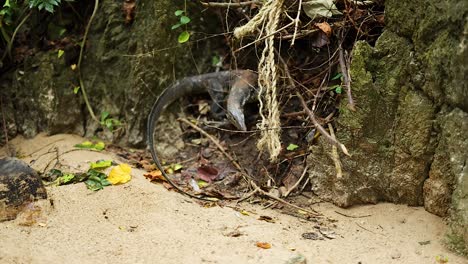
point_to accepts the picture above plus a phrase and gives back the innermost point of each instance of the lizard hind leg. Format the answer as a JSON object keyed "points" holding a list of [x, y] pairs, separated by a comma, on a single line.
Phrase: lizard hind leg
{"points": [[218, 94]]}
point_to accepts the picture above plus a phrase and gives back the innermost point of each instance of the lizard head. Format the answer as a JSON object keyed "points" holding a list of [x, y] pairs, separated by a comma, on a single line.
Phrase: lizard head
{"points": [[236, 117]]}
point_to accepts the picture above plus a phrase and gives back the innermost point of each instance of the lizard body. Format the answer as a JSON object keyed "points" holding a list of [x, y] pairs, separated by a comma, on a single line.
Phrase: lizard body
{"points": [[240, 82]]}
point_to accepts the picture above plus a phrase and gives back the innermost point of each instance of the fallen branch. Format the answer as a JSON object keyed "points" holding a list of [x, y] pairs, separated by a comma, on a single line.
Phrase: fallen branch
{"points": [[320, 128], [311, 212], [297, 183], [352, 216], [216, 142], [228, 5], [296, 21]]}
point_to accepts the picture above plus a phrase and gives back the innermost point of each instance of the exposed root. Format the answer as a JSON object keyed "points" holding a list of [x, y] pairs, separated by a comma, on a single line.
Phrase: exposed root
{"points": [[346, 78], [335, 156]]}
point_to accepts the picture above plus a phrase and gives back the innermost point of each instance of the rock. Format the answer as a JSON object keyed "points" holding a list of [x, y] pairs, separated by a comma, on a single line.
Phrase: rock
{"points": [[19, 185], [408, 137], [125, 66], [389, 136], [297, 259]]}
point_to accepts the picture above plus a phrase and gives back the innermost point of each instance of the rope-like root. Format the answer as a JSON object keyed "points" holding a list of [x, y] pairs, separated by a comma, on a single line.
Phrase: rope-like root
{"points": [[270, 125]]}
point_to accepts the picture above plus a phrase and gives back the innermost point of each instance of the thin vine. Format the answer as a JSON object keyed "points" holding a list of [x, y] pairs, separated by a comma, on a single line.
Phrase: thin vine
{"points": [[80, 58]]}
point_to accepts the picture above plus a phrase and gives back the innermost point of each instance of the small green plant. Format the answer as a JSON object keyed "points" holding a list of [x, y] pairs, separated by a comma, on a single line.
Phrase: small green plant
{"points": [[108, 122], [337, 88], [292, 147], [184, 36], [48, 5]]}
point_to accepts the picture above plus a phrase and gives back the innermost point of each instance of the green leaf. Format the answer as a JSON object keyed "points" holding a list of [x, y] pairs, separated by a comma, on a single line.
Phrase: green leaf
{"points": [[215, 61], [60, 53], [320, 8], [89, 145], [338, 90], [176, 167], [66, 178], [202, 183], [7, 3], [292, 147], [183, 37], [86, 144], [76, 89], [101, 164], [99, 146], [109, 124], [178, 12], [184, 20], [104, 116], [176, 26], [338, 76], [96, 180]]}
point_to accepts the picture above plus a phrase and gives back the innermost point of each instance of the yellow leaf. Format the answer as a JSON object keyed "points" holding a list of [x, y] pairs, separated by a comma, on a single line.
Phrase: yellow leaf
{"points": [[73, 67], [120, 174], [263, 245], [244, 212]]}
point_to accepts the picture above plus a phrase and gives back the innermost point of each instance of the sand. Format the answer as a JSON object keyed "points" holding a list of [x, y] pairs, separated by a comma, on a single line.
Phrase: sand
{"points": [[142, 222]]}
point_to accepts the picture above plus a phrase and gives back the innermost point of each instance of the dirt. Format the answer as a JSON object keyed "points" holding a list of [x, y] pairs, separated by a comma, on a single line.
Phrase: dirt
{"points": [[142, 222]]}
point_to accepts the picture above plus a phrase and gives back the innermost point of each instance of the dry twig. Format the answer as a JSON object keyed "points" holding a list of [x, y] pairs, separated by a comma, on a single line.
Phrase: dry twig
{"points": [[228, 5], [216, 142], [296, 22], [320, 128], [297, 183], [311, 212]]}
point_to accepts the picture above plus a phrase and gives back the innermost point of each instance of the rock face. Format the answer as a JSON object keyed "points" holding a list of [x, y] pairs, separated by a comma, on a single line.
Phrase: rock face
{"points": [[125, 66], [408, 137], [19, 185]]}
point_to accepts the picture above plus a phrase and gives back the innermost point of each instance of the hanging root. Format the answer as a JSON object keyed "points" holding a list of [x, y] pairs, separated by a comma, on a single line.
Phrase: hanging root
{"points": [[270, 125]]}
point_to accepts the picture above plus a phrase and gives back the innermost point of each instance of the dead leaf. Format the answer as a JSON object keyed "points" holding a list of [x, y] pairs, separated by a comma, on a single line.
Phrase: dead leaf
{"points": [[263, 245], [320, 8], [203, 108], [328, 233], [207, 173], [266, 219], [312, 236], [155, 175], [147, 165], [235, 233], [325, 27]]}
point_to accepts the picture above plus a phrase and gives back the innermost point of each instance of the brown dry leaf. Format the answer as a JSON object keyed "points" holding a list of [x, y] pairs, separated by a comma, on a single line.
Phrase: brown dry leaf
{"points": [[207, 173], [235, 233], [155, 175], [263, 245], [266, 219], [204, 108], [147, 165], [325, 27]]}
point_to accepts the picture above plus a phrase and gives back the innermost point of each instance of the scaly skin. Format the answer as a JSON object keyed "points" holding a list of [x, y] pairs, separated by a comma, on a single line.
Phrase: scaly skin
{"points": [[241, 83]]}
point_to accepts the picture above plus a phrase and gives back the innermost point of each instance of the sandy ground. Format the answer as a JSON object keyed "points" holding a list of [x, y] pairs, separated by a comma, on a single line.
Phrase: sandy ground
{"points": [[140, 222]]}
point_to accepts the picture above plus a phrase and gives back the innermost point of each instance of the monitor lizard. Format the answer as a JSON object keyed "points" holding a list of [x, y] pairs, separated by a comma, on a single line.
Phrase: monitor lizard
{"points": [[241, 84]]}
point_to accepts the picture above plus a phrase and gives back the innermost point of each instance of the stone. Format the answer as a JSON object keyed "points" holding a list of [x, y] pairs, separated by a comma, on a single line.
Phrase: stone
{"points": [[19, 186]]}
